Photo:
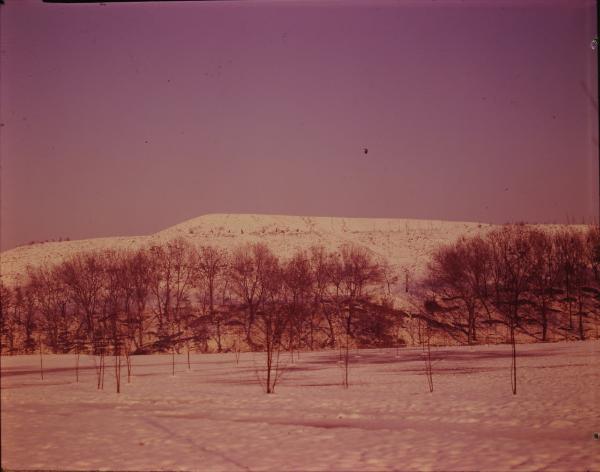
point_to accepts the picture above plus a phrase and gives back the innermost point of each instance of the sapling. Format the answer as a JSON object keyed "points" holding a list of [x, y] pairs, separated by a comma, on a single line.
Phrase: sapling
{"points": [[97, 371], [398, 338], [77, 362], [513, 365], [117, 359], [512, 256], [128, 361], [173, 359], [237, 349], [427, 352], [41, 359], [347, 353], [102, 369], [99, 368]]}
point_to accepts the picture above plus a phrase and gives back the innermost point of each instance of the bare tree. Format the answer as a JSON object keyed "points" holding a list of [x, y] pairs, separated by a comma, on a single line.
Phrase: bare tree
{"points": [[56, 320], [83, 276], [117, 307], [161, 289], [512, 260], [237, 347], [296, 292], [138, 273], [8, 325], [448, 278], [184, 258], [271, 317], [353, 272], [581, 277], [24, 315], [593, 259], [425, 339], [41, 346], [248, 270], [320, 262], [544, 275], [593, 251], [211, 268], [172, 276], [461, 273], [567, 245]]}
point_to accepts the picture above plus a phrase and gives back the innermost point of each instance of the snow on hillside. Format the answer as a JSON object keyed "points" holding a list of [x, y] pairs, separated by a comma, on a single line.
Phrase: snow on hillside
{"points": [[216, 417], [405, 243]]}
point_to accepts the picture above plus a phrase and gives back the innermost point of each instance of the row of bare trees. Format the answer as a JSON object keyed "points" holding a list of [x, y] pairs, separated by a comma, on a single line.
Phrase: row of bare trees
{"points": [[525, 278], [166, 298], [518, 275], [176, 296]]}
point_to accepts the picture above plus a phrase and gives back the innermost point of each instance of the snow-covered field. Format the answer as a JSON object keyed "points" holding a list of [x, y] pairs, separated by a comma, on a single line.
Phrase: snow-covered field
{"points": [[216, 417]]}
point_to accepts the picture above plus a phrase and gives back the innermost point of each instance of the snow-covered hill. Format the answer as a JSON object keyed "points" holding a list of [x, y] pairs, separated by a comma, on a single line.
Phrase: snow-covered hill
{"points": [[406, 243]]}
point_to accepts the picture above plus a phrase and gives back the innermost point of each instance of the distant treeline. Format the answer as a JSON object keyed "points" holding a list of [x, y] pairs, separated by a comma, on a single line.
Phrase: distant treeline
{"points": [[52, 240], [516, 280]]}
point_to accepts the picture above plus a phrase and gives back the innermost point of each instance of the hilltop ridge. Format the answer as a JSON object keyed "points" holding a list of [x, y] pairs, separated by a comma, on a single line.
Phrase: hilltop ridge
{"points": [[406, 243]]}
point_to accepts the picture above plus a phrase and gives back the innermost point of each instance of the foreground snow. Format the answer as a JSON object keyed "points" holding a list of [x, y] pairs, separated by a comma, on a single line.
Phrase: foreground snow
{"points": [[216, 417]]}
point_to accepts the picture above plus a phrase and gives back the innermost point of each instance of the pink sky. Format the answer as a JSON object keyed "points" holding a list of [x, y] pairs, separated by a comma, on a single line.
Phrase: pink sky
{"points": [[124, 119]]}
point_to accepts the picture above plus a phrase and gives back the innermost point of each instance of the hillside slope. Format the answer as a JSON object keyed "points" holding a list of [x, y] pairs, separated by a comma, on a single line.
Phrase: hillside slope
{"points": [[406, 243]]}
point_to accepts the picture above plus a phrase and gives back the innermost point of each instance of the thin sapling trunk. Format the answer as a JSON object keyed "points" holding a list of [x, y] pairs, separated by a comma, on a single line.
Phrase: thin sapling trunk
{"points": [[41, 359]]}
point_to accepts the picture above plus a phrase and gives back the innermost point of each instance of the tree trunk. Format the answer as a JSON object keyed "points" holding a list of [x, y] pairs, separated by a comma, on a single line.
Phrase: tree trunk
{"points": [[172, 360], [544, 323], [347, 353], [117, 357], [332, 339], [77, 366], [513, 366], [41, 360], [219, 344]]}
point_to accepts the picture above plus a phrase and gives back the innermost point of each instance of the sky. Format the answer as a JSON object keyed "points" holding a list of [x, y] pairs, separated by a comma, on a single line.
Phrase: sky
{"points": [[124, 119]]}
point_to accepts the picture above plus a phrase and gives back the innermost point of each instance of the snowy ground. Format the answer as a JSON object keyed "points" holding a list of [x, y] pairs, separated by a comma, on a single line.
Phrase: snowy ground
{"points": [[216, 417]]}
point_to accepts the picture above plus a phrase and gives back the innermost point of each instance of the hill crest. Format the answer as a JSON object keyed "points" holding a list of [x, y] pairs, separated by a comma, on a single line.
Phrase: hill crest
{"points": [[406, 243]]}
